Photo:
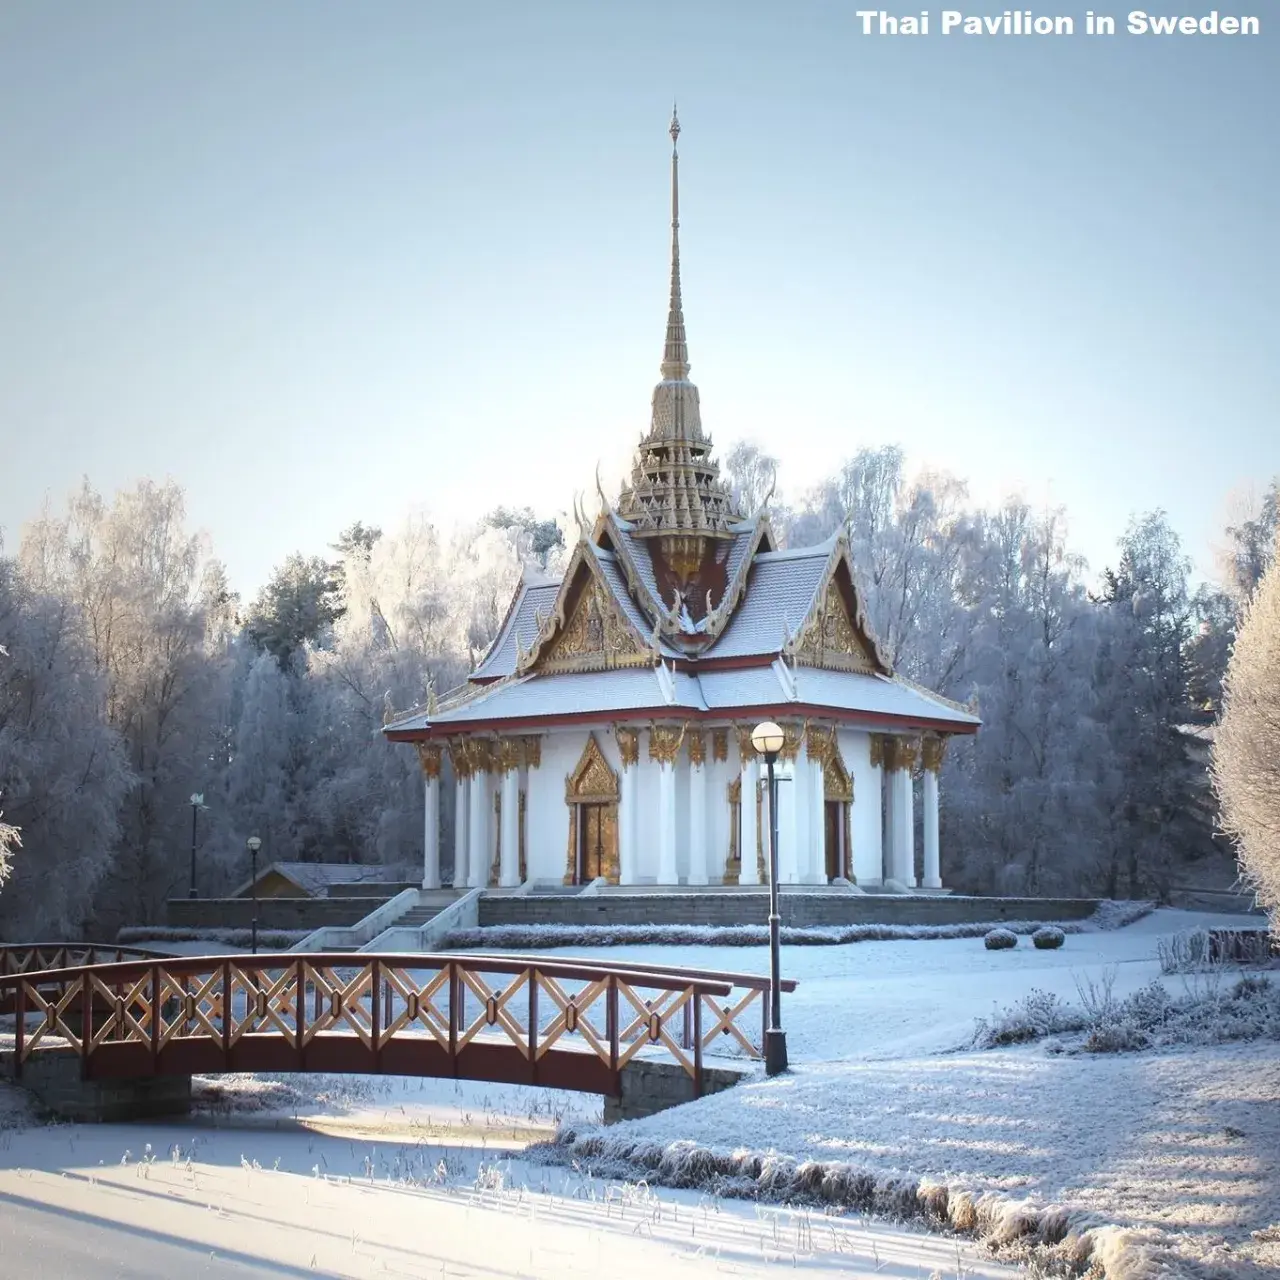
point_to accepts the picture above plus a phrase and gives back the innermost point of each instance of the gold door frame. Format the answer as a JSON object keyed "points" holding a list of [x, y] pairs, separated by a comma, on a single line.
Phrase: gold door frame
{"points": [[592, 782]]}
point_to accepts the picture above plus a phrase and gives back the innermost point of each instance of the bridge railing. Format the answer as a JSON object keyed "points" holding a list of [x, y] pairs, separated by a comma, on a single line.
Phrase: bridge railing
{"points": [[725, 1021], [565, 1024], [33, 957]]}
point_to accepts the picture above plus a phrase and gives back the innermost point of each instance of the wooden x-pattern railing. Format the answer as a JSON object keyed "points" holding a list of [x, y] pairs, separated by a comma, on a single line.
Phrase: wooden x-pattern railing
{"points": [[33, 957], [525, 1019]]}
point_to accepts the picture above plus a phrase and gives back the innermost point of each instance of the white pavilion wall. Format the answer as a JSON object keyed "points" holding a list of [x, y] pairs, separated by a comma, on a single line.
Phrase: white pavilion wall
{"points": [[546, 815], [866, 819]]}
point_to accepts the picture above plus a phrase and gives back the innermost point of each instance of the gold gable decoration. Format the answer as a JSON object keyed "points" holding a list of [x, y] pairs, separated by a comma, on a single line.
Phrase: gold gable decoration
{"points": [[594, 637], [836, 783], [831, 640], [592, 780]]}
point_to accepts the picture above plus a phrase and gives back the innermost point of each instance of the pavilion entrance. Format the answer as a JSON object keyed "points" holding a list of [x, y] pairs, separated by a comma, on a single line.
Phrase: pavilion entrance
{"points": [[837, 797], [591, 793]]}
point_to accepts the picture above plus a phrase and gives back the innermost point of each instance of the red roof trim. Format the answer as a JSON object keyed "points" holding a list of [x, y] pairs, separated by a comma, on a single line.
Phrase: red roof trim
{"points": [[786, 711]]}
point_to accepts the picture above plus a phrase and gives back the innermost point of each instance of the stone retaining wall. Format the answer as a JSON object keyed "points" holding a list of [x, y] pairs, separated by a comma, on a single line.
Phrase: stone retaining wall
{"points": [[650, 1087], [801, 910], [53, 1077], [273, 913]]}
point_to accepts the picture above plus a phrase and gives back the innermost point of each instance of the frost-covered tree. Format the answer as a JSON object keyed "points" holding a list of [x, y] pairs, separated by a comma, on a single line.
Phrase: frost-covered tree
{"points": [[63, 773], [751, 475], [1252, 543], [1143, 683], [138, 586], [297, 607], [536, 540], [1246, 752]]}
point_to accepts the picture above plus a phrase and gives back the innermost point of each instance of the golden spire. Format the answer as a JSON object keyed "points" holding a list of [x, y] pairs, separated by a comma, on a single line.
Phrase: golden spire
{"points": [[675, 353], [676, 493]]}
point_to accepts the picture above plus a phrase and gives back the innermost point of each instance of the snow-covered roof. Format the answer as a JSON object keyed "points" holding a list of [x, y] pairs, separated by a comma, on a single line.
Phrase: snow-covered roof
{"points": [[659, 690], [316, 878], [533, 697], [534, 594], [781, 586]]}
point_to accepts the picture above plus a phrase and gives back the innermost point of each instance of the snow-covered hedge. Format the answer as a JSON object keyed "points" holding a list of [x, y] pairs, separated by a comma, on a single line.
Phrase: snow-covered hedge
{"points": [[1000, 939], [280, 939], [1050, 938], [1061, 1241], [1109, 915]]}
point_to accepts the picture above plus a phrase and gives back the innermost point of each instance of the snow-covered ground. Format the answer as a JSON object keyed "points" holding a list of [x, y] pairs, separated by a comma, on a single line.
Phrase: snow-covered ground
{"points": [[145, 1200], [1184, 1143]]}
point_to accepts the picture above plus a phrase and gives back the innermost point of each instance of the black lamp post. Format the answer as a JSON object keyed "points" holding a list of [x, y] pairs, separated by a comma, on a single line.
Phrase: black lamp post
{"points": [[767, 739], [254, 845], [197, 803]]}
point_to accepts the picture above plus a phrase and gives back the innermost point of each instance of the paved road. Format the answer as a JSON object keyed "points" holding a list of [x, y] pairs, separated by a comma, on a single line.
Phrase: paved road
{"points": [[42, 1241]]}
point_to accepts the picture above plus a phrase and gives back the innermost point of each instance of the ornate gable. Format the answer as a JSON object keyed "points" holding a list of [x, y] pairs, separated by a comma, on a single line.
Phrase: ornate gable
{"points": [[586, 630], [836, 634], [592, 780]]}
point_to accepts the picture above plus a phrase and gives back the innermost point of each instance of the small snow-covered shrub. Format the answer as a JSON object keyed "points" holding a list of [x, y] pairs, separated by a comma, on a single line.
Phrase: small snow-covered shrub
{"points": [[1115, 1037], [1050, 938], [1000, 940], [1183, 952], [1037, 1014]]}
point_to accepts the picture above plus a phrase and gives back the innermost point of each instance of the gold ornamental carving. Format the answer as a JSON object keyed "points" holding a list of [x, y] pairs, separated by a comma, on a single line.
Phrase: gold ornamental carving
{"points": [[746, 750], [836, 782], [460, 758], [664, 743], [479, 755], [900, 753], [831, 640], [628, 746], [592, 780], [533, 752], [595, 637], [792, 739], [819, 743], [877, 750], [697, 747], [931, 752], [510, 754], [430, 755], [720, 744]]}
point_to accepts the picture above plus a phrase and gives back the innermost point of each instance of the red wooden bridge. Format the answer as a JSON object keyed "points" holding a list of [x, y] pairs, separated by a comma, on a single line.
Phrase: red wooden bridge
{"points": [[564, 1024]]}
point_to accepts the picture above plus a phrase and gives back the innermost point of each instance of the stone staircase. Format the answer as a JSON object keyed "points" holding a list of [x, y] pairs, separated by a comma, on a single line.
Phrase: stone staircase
{"points": [[431, 903]]}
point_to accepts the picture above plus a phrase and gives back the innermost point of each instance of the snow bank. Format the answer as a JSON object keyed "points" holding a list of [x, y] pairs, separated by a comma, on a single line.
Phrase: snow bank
{"points": [[1071, 1242]]}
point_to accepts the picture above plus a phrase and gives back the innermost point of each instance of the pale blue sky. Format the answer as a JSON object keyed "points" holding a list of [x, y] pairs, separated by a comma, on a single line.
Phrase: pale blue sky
{"points": [[326, 261]]}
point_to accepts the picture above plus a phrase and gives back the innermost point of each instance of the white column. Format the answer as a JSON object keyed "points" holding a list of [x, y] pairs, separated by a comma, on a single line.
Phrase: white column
{"points": [[628, 805], [863, 752], [889, 807], [817, 820], [431, 829], [932, 761], [461, 822], [479, 828], [697, 811], [789, 781], [667, 870], [509, 870], [904, 834], [748, 834]]}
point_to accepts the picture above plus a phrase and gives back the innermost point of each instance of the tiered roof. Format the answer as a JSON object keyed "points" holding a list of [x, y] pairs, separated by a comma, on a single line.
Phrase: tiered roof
{"points": [[677, 606]]}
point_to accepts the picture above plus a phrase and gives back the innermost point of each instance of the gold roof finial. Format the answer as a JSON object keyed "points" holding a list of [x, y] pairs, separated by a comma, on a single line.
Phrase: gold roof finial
{"points": [[675, 352]]}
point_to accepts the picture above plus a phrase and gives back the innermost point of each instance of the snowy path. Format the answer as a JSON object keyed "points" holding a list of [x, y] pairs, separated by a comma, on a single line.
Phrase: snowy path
{"points": [[70, 1208]]}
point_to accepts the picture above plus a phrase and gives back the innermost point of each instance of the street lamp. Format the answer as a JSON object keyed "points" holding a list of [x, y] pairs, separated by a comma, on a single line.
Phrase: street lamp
{"points": [[767, 739], [254, 844], [197, 803]]}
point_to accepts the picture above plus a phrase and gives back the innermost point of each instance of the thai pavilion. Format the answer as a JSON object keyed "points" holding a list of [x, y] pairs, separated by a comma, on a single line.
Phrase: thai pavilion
{"points": [[605, 734]]}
